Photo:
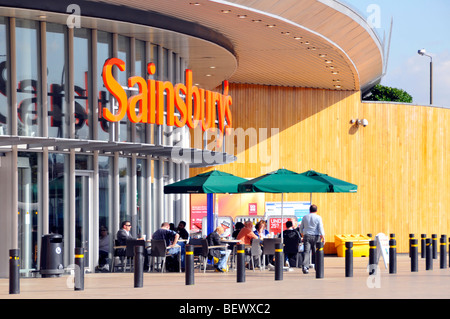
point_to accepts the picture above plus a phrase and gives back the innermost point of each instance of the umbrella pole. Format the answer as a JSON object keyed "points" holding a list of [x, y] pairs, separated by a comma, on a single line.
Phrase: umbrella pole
{"points": [[281, 217]]}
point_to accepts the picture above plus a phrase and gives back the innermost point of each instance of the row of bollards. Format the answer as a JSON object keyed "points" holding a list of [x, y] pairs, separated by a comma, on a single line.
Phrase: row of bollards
{"points": [[428, 251]]}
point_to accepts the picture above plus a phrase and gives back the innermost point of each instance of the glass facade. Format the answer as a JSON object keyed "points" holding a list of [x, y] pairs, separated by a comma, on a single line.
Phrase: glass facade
{"points": [[60, 94]]}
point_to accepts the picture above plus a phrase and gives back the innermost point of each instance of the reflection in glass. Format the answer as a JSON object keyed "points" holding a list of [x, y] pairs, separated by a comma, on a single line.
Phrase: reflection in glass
{"points": [[27, 78], [104, 52], [123, 186], [3, 79], [28, 208], [140, 70], [56, 37], [57, 195], [105, 164], [81, 82]]}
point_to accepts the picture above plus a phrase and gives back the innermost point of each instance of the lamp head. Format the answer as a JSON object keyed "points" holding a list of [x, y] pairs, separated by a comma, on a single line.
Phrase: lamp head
{"points": [[422, 52]]}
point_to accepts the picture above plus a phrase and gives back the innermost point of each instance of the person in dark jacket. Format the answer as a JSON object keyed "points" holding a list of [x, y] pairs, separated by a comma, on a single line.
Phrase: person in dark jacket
{"points": [[221, 253]]}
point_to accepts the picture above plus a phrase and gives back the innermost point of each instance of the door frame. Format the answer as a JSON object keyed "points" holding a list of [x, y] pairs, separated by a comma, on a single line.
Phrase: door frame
{"points": [[91, 251]]}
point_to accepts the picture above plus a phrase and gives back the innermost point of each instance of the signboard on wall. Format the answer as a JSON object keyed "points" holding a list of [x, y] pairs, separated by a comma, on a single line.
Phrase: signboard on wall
{"points": [[297, 209]]}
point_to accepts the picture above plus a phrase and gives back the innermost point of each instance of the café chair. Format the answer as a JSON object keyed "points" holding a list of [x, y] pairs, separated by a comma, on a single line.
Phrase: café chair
{"points": [[198, 250], [205, 252], [118, 254], [159, 250], [269, 246], [255, 251]]}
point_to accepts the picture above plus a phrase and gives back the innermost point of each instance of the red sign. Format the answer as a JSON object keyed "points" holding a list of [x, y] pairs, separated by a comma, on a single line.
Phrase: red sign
{"points": [[252, 209], [275, 224]]}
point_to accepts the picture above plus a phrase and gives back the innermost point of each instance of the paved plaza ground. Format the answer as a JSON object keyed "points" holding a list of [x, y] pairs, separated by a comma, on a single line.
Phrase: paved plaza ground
{"points": [[424, 284]]}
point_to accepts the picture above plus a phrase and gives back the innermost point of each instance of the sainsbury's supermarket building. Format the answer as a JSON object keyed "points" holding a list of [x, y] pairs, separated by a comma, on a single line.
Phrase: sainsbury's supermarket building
{"points": [[102, 104]]}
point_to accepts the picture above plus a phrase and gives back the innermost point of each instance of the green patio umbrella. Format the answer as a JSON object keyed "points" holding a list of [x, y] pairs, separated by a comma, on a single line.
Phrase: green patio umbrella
{"points": [[281, 181], [330, 184], [207, 183]]}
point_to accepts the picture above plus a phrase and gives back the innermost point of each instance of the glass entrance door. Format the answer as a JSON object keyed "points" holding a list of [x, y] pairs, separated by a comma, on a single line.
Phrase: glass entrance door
{"points": [[83, 215]]}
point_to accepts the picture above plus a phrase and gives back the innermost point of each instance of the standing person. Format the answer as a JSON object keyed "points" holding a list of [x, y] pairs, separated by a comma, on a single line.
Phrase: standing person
{"points": [[221, 253], [312, 232]]}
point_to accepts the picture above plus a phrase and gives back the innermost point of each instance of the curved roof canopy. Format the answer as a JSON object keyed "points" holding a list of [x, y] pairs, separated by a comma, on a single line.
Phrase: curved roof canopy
{"points": [[304, 43]]}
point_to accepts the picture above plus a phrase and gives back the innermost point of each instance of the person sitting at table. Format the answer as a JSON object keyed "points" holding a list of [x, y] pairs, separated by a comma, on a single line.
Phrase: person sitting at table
{"points": [[123, 235], [171, 238], [246, 234], [237, 229], [181, 230], [220, 253], [260, 230]]}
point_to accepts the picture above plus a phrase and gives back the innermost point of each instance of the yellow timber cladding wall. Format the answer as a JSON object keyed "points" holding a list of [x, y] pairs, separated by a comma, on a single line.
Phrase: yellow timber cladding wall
{"points": [[400, 161]]}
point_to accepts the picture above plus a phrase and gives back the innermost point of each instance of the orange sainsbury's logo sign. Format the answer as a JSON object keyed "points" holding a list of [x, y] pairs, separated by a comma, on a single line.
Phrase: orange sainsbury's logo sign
{"points": [[198, 107]]}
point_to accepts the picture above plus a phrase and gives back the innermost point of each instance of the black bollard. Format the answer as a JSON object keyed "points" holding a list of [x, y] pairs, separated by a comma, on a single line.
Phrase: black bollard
{"points": [[138, 266], [279, 261], [428, 255], [434, 244], [14, 275], [79, 269], [319, 266], [372, 257], [414, 255], [240, 263], [189, 268], [423, 245], [443, 252], [349, 259], [392, 256], [411, 237]]}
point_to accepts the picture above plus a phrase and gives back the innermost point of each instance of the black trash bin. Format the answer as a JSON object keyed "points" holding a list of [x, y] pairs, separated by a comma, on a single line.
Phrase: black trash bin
{"points": [[52, 256]]}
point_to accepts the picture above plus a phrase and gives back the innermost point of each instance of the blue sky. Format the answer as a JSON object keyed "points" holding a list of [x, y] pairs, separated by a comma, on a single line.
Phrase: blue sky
{"points": [[417, 24]]}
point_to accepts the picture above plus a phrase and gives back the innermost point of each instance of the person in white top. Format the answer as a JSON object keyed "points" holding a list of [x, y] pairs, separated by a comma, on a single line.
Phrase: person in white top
{"points": [[312, 232]]}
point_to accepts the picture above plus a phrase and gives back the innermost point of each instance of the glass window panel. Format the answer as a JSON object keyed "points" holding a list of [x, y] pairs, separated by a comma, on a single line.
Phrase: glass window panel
{"points": [[4, 109], [28, 208], [140, 70], [27, 54], [56, 53], [123, 53], [57, 195], [81, 82], [105, 164], [123, 186], [104, 52]]}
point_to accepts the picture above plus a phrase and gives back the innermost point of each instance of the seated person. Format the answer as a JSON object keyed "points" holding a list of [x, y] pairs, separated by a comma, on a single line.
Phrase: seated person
{"points": [[246, 235], [292, 236], [221, 253], [237, 229], [260, 230], [104, 249], [181, 230], [171, 239], [123, 235]]}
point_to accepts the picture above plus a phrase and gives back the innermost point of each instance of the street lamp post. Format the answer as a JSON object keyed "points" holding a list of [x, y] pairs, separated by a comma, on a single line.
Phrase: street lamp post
{"points": [[423, 52]]}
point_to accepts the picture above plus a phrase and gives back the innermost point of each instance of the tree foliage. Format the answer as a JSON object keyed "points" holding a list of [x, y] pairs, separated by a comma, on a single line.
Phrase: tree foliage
{"points": [[385, 93]]}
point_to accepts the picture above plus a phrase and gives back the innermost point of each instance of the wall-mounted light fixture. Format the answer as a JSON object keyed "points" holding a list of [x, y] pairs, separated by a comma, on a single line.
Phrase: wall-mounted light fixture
{"points": [[358, 122]]}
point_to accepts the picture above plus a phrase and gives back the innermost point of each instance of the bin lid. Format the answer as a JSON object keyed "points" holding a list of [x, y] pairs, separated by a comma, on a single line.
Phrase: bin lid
{"points": [[355, 238]]}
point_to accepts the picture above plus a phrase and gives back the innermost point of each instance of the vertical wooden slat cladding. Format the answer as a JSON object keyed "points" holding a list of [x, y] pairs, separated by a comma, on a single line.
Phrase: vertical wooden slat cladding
{"points": [[400, 161]]}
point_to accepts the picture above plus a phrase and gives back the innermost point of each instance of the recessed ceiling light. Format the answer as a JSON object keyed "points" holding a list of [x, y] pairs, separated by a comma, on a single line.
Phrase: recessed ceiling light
{"points": [[312, 48], [322, 55], [225, 11], [242, 16], [334, 72], [270, 25], [208, 74], [285, 33], [194, 3], [306, 42], [256, 20], [212, 67], [297, 38], [337, 86], [328, 61], [337, 80]]}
